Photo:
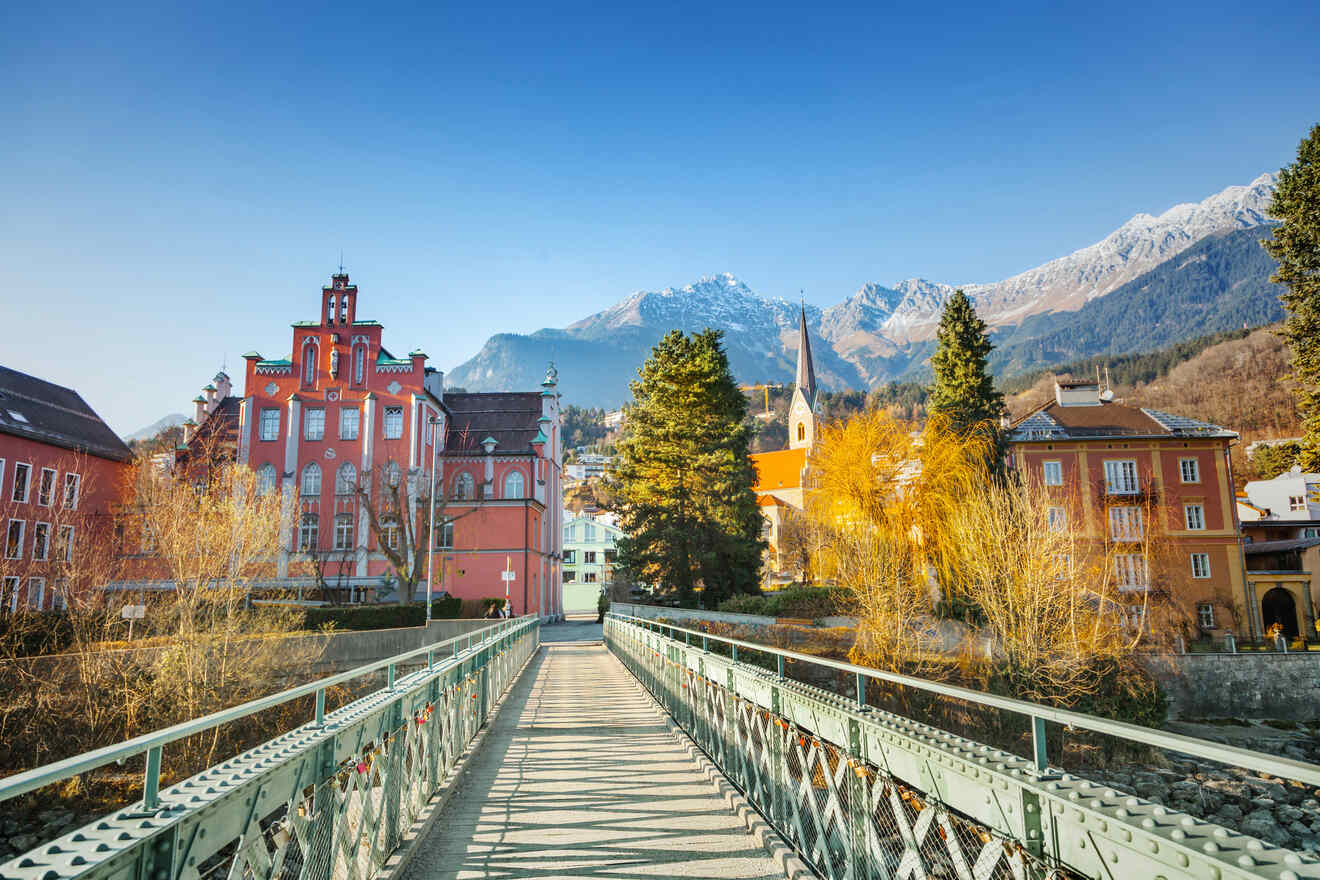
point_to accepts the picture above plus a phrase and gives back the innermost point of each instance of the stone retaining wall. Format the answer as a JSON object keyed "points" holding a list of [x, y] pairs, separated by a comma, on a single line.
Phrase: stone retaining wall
{"points": [[1259, 686]]}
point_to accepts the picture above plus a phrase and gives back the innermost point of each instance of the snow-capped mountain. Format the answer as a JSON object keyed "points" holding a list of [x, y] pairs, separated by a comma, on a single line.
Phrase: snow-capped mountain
{"points": [[883, 332], [1068, 283]]}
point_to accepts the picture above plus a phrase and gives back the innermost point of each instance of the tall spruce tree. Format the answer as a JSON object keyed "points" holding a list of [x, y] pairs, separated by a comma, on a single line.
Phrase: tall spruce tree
{"points": [[964, 391], [1296, 245], [685, 481]]}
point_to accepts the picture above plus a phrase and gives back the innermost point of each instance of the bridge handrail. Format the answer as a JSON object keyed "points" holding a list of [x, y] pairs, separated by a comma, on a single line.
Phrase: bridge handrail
{"points": [[1260, 762], [151, 743]]}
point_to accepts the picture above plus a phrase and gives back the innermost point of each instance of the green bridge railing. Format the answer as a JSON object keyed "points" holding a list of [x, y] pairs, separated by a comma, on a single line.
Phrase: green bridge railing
{"points": [[863, 793], [329, 800]]}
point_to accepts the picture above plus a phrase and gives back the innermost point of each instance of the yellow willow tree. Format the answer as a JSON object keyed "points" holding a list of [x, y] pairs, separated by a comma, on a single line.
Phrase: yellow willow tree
{"points": [[208, 542], [882, 496], [1054, 614]]}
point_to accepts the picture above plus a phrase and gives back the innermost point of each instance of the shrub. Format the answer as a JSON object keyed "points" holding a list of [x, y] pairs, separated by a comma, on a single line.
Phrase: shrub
{"points": [[360, 617], [795, 601]]}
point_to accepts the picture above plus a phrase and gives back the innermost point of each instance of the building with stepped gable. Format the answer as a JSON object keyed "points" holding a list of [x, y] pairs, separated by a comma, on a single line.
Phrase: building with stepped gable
{"points": [[349, 433]]}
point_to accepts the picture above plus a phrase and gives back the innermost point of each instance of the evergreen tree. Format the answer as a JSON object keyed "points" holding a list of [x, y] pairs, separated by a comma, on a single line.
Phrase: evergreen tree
{"points": [[1296, 245], [964, 391], [684, 478]]}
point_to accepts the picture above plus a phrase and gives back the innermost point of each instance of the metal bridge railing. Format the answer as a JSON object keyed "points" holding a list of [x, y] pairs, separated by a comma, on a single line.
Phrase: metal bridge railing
{"points": [[329, 800], [863, 793]]}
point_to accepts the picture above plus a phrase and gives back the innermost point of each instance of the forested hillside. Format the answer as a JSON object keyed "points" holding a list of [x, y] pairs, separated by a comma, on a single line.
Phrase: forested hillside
{"points": [[1218, 284]]}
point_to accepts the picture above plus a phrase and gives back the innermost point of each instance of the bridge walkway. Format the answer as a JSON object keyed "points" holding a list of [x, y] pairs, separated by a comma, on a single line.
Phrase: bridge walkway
{"points": [[581, 776]]}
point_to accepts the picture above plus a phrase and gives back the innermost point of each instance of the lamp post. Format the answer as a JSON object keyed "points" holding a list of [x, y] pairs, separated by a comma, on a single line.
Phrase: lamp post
{"points": [[430, 541]]}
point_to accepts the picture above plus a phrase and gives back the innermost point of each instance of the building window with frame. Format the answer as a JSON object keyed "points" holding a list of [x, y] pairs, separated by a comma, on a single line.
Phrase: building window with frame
{"points": [[22, 482], [314, 424], [311, 479], [41, 541], [393, 422], [802, 431], [1052, 471], [570, 576], [444, 535], [36, 597], [349, 419], [1130, 570], [10, 597], [46, 487], [1311, 532], [1295, 502], [64, 544], [14, 538], [59, 594], [389, 534], [72, 491], [570, 557], [344, 531], [270, 424], [309, 528], [464, 486], [1205, 615], [1126, 524], [589, 557], [1194, 516], [513, 485], [1058, 519], [390, 476], [1189, 470], [610, 556], [1121, 476], [1200, 565], [266, 479], [589, 577], [346, 479]]}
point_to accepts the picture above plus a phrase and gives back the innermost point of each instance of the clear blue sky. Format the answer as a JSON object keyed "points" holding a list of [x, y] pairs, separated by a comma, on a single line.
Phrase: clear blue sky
{"points": [[178, 181]]}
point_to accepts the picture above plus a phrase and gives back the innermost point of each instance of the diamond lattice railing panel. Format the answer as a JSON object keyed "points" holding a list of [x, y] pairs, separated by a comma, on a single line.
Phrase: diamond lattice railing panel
{"points": [[847, 817]]}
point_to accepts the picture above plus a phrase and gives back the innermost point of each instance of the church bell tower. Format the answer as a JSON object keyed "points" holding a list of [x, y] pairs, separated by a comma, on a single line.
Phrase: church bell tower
{"points": [[802, 410]]}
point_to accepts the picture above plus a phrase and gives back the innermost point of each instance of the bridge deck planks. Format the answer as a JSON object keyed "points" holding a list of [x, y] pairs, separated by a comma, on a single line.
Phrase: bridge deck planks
{"points": [[580, 777]]}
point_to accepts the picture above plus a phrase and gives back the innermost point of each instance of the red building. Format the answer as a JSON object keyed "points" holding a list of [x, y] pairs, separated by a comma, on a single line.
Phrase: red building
{"points": [[62, 471], [341, 412], [1156, 487]]}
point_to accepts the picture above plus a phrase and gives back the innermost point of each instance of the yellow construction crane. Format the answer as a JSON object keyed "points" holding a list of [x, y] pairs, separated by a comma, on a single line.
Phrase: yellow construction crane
{"points": [[779, 386]]}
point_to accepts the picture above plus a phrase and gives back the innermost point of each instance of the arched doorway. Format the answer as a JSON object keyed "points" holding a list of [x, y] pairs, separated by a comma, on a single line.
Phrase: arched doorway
{"points": [[1277, 606]]}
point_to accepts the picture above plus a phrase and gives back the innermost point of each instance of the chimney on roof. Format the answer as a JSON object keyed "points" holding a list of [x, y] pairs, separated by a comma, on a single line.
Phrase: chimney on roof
{"points": [[223, 387], [1077, 393]]}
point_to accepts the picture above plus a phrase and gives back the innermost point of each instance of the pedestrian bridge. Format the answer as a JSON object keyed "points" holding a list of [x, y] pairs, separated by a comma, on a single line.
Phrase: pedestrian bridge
{"points": [[638, 750]]}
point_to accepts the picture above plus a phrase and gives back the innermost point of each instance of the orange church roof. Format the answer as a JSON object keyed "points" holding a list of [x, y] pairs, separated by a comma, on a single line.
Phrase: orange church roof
{"points": [[779, 470]]}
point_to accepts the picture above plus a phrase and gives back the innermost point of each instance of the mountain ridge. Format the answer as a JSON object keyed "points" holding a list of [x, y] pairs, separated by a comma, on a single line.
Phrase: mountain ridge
{"points": [[883, 332]]}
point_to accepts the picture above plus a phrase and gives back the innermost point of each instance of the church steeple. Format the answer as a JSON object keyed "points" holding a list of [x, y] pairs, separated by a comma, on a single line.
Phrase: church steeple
{"points": [[802, 409], [806, 371]]}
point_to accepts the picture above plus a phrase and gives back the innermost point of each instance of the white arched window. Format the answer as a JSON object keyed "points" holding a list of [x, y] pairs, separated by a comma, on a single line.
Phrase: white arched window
{"points": [[464, 487], [311, 479], [513, 485], [390, 474], [802, 431], [346, 479], [310, 353], [266, 479]]}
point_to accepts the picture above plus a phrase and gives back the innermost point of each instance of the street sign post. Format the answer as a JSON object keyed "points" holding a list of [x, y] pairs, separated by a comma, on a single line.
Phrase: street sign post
{"points": [[508, 577]]}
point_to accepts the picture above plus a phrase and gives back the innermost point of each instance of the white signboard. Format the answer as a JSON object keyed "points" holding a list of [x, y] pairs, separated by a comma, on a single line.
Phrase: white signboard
{"points": [[507, 576], [133, 612]]}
